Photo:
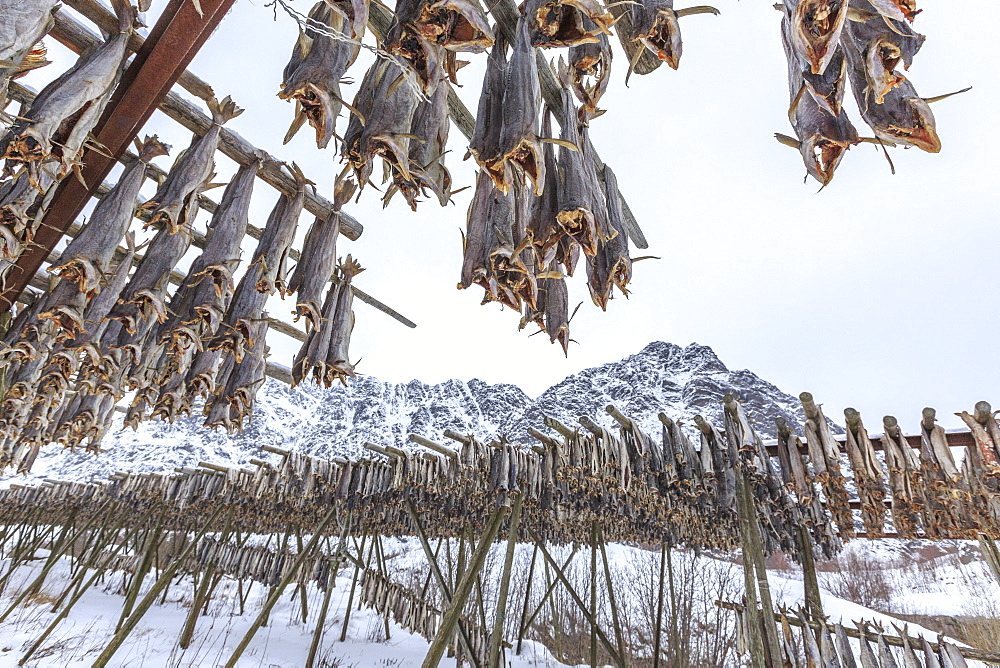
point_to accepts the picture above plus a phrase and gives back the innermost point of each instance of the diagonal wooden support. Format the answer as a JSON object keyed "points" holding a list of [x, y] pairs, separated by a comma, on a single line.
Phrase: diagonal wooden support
{"points": [[496, 639], [451, 615], [584, 610], [172, 44], [446, 596]]}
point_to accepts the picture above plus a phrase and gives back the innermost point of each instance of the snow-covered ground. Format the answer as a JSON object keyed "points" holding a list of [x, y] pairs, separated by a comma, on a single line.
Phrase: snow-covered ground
{"points": [[946, 587]]}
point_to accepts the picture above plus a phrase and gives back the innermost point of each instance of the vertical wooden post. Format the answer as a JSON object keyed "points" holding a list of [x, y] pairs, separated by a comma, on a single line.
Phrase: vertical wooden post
{"points": [[302, 584], [521, 630], [496, 640], [991, 553], [593, 594], [380, 555], [354, 584], [658, 632], [615, 618], [276, 592], [813, 600], [200, 595], [450, 618], [152, 545], [318, 633]]}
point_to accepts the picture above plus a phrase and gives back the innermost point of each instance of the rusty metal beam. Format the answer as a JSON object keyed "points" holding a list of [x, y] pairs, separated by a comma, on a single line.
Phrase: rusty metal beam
{"points": [[172, 44]]}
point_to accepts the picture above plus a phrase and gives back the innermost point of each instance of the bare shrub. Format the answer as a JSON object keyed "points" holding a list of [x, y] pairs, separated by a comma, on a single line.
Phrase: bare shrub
{"points": [[861, 578]]}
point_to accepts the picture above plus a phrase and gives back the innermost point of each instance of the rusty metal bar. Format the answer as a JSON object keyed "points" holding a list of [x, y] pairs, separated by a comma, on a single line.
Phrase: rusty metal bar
{"points": [[172, 44]]}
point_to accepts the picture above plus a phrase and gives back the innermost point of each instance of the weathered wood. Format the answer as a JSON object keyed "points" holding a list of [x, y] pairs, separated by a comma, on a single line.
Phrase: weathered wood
{"points": [[427, 443], [276, 592], [454, 610], [496, 639]]}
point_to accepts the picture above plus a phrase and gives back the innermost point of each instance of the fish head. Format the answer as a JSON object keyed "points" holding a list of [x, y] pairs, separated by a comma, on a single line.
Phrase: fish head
{"points": [[663, 37], [822, 155], [922, 133], [816, 28], [882, 57], [457, 25]]}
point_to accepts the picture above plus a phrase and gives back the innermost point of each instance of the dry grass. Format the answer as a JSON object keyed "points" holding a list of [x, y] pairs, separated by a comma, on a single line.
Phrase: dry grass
{"points": [[861, 578]]}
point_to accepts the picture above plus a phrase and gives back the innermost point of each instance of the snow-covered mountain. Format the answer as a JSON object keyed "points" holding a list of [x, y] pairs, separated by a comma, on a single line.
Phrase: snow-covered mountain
{"points": [[681, 382]]}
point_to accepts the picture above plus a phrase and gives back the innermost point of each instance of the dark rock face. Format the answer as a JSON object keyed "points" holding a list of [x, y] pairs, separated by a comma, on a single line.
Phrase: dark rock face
{"points": [[680, 382]]}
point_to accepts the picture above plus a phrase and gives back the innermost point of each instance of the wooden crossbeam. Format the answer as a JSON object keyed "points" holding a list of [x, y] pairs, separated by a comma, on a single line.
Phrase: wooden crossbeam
{"points": [[144, 84]]}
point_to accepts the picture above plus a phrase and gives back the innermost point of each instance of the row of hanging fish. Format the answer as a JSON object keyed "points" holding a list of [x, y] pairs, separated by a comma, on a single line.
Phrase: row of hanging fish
{"points": [[643, 489], [413, 613], [829, 43], [806, 642], [534, 213], [102, 331]]}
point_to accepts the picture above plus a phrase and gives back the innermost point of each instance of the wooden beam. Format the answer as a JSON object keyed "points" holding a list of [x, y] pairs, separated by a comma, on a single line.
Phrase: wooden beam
{"points": [[143, 86]]}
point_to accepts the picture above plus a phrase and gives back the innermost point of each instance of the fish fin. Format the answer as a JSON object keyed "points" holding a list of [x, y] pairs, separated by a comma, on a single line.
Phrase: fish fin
{"points": [[565, 143], [787, 141], [635, 61], [297, 123], [700, 9], [938, 98]]}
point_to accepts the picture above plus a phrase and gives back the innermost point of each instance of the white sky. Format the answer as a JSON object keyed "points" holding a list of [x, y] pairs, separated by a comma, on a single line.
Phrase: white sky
{"points": [[878, 292]]}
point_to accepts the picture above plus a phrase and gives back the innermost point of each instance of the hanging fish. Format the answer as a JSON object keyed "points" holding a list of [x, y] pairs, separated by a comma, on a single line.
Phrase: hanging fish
{"points": [[519, 144], [485, 143], [60, 119], [456, 25], [611, 266], [264, 274], [884, 45], [86, 260], [324, 354], [235, 402], [312, 76], [24, 25], [318, 260], [544, 230], [590, 68], [898, 10], [555, 296], [425, 59], [815, 29], [428, 145], [822, 137], [175, 202], [902, 117], [380, 122], [575, 215], [476, 240], [555, 23], [355, 13]]}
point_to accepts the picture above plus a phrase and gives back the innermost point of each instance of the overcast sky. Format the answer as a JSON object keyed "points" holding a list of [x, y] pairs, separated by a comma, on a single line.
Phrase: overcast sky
{"points": [[880, 292]]}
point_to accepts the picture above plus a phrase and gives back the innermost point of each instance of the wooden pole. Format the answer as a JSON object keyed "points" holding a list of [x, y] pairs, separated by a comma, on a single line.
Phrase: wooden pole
{"points": [[147, 601], [527, 599], [496, 640], [615, 618], [813, 599], [85, 585], [300, 559], [450, 618], [593, 592], [658, 631], [200, 596], [354, 584], [152, 545], [576, 598], [550, 587]]}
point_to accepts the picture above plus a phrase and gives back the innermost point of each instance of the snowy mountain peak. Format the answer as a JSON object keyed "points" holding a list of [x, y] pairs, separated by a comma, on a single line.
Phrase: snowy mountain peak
{"points": [[680, 381]]}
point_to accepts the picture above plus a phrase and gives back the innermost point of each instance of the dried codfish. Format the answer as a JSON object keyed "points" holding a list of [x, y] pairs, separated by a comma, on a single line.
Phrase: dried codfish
{"points": [[318, 260], [555, 305], [868, 475], [519, 144], [175, 201], [324, 355], [555, 23], [476, 240], [142, 302], [425, 58], [265, 273], [815, 29], [902, 117], [312, 76], [590, 68], [24, 24], [883, 44], [428, 146], [22, 204], [485, 143], [898, 10], [229, 408], [83, 265], [655, 26], [456, 25], [823, 138], [575, 201], [61, 117], [611, 266], [380, 122]]}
